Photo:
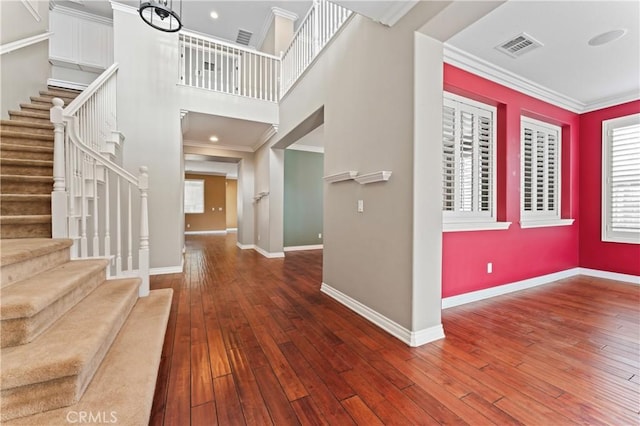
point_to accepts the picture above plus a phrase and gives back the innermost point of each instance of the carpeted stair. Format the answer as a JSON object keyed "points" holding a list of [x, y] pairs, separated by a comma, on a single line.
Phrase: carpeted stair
{"points": [[26, 167], [72, 341]]}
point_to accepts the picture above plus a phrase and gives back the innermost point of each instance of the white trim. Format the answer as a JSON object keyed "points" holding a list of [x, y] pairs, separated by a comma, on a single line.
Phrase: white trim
{"points": [[66, 84], [482, 68], [307, 148], [474, 226], [232, 229], [32, 10], [28, 41], [82, 15], [396, 10], [474, 296], [240, 148], [411, 338], [283, 13], [167, 270], [381, 176], [265, 137], [524, 224], [223, 232], [267, 254], [309, 247], [245, 246], [340, 176], [123, 8], [632, 279], [264, 30]]}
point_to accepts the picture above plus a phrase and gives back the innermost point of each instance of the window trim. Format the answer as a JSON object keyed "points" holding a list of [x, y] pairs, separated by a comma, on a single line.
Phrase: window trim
{"points": [[542, 219], [203, 196], [607, 126], [455, 221]]}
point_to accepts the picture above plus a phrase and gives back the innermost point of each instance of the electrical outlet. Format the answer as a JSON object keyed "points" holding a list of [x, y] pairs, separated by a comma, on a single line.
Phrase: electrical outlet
{"points": [[489, 268], [188, 225], [360, 206]]}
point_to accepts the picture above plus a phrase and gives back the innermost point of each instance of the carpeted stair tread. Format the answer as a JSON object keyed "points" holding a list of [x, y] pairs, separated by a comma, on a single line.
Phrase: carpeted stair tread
{"points": [[25, 219], [60, 363], [39, 107], [23, 124], [43, 115], [47, 99], [4, 198], [30, 306], [125, 382], [28, 148], [59, 93], [24, 135], [14, 204], [25, 162], [26, 152], [20, 250]]}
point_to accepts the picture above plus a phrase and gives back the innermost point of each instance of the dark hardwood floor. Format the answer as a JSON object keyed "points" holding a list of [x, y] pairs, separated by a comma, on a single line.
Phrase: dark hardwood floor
{"points": [[252, 341]]}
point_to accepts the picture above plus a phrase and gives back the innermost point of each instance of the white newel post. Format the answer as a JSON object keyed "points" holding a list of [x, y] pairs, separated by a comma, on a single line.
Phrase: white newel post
{"points": [[143, 252], [59, 193]]}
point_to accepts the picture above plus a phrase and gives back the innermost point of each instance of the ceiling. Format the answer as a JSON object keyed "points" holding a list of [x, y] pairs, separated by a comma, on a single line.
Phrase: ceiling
{"points": [[566, 63], [242, 135]]}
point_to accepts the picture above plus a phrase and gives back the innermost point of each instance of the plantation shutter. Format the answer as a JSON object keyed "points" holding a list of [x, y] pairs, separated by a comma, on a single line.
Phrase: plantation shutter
{"points": [[194, 196], [623, 180], [468, 159], [540, 169]]}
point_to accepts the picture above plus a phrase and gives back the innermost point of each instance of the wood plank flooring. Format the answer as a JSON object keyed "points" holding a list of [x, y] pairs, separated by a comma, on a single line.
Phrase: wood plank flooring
{"points": [[253, 341]]}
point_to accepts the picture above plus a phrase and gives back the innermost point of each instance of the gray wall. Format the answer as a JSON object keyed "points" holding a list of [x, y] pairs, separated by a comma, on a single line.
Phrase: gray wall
{"points": [[303, 188], [25, 71]]}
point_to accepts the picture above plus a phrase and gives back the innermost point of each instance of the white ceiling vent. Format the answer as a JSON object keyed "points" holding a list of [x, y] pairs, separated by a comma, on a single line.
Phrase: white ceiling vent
{"points": [[519, 45], [244, 37]]}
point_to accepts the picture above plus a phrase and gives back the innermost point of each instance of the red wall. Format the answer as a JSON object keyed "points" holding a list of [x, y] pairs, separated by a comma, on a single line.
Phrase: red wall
{"points": [[516, 253], [595, 254]]}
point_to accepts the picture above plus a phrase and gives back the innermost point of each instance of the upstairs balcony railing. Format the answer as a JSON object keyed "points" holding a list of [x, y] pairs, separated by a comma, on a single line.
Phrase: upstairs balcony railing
{"points": [[323, 20], [207, 63], [211, 64]]}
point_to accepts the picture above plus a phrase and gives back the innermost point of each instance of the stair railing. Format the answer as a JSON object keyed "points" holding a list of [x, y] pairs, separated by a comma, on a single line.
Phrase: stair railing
{"points": [[321, 23], [91, 192]]}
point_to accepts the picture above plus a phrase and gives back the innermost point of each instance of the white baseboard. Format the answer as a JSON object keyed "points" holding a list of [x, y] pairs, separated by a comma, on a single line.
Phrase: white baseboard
{"points": [[632, 279], [246, 246], [218, 232], [166, 270], [66, 84], [411, 338], [309, 247], [474, 296], [268, 254], [232, 229]]}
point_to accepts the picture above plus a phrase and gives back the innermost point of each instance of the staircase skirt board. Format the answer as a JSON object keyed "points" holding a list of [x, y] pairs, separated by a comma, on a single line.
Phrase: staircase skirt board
{"points": [[30, 306], [125, 382], [22, 258], [73, 347]]}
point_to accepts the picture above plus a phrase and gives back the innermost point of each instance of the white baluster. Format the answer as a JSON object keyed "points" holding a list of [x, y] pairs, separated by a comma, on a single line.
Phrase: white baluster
{"points": [[143, 252], [118, 228], [96, 236], [129, 231], [107, 216], [83, 207]]}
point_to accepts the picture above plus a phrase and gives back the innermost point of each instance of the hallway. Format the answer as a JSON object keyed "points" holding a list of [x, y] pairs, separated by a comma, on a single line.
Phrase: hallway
{"points": [[252, 341]]}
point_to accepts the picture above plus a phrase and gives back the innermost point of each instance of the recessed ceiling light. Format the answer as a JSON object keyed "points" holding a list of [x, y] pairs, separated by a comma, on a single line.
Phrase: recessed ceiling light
{"points": [[607, 37], [214, 14], [213, 139]]}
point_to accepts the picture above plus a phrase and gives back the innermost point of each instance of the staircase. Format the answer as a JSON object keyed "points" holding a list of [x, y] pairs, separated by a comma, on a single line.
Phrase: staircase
{"points": [[26, 160], [75, 347]]}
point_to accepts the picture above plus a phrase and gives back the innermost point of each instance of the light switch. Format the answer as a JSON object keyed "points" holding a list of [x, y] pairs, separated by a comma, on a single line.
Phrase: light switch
{"points": [[360, 206]]}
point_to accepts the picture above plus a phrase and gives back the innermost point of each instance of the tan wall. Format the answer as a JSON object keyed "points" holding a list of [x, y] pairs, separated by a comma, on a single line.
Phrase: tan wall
{"points": [[232, 203], [214, 217]]}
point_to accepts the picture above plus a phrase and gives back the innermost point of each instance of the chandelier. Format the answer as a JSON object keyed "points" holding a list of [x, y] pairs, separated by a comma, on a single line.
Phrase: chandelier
{"points": [[161, 15]]}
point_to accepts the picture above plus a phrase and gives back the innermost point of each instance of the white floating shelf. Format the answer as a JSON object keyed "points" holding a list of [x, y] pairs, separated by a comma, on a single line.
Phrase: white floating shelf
{"points": [[381, 176], [339, 177]]}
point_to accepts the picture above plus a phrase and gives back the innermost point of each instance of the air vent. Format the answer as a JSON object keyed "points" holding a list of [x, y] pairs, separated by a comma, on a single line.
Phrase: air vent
{"points": [[243, 37], [519, 45]]}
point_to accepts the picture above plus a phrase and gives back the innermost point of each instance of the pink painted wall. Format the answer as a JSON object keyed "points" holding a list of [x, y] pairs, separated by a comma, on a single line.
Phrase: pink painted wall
{"points": [[516, 253], [595, 254]]}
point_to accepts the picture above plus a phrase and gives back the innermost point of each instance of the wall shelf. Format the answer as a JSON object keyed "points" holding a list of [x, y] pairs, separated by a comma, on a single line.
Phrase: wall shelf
{"points": [[381, 176], [342, 176]]}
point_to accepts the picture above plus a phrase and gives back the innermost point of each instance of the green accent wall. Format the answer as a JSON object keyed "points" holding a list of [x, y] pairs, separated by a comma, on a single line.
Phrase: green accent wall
{"points": [[303, 186]]}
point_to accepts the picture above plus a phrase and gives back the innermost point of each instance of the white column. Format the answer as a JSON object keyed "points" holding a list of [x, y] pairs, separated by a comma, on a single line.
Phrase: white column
{"points": [[59, 194], [143, 251]]}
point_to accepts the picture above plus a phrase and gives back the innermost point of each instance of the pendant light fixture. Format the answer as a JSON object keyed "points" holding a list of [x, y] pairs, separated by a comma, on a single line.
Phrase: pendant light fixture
{"points": [[161, 15]]}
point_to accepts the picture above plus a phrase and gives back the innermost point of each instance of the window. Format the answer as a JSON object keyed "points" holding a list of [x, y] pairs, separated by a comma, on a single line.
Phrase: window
{"points": [[541, 148], [621, 179], [194, 196], [469, 165]]}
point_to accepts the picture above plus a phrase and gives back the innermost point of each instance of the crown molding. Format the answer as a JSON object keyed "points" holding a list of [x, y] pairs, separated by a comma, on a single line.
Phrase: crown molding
{"points": [[283, 13], [482, 68], [268, 20], [211, 145], [609, 101], [396, 11], [82, 15], [123, 8], [265, 137]]}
